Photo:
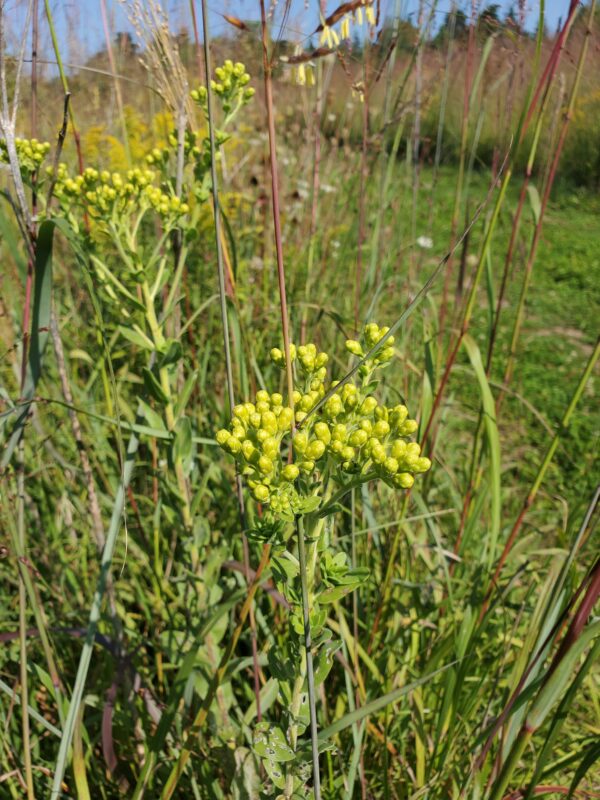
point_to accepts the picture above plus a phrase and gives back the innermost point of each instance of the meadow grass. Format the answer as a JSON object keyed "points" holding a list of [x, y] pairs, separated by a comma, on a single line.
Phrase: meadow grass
{"points": [[149, 624]]}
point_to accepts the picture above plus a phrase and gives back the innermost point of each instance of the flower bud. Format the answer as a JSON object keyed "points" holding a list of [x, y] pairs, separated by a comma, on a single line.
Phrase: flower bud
{"points": [[261, 493], [315, 450], [290, 472], [233, 445], [222, 436], [307, 466], [270, 447], [248, 449], [422, 464], [300, 442], [284, 421], [255, 419], [390, 465], [269, 422], [381, 429], [265, 465], [358, 438], [322, 432], [403, 480], [262, 396], [276, 399], [368, 405], [338, 432], [409, 427], [348, 453], [399, 448], [354, 347]]}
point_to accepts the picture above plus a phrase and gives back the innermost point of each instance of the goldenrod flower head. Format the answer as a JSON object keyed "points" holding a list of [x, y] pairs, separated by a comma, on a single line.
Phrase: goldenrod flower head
{"points": [[351, 432]]}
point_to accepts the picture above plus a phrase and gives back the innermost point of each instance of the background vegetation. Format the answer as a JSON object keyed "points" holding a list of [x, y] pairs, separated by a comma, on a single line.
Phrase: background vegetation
{"points": [[467, 151]]}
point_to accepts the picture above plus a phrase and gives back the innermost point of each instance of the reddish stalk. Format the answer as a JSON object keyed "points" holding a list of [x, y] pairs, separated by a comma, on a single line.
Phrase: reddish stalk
{"points": [[361, 191], [461, 168], [532, 494]]}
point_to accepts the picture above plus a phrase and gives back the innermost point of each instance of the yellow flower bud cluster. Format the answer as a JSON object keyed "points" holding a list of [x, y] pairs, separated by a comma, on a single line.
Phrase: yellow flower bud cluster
{"points": [[254, 439], [230, 83], [103, 193], [351, 433], [373, 334], [30, 153]]}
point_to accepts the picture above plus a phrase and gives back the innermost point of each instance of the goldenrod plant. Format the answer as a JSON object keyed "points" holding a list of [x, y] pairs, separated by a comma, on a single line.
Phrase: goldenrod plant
{"points": [[300, 462]]}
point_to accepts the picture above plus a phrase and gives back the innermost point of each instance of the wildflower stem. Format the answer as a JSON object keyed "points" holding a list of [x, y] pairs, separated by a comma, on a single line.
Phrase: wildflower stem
{"points": [[225, 326]]}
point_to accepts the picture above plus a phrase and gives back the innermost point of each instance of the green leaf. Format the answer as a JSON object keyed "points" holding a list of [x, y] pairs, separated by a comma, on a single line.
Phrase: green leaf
{"points": [[534, 201], [491, 429], [153, 386], [182, 446], [185, 393], [171, 354], [270, 743], [154, 419], [40, 330], [137, 337], [375, 705]]}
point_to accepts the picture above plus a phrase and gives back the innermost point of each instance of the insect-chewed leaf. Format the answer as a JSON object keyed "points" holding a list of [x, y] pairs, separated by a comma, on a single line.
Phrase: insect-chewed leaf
{"points": [[270, 743]]}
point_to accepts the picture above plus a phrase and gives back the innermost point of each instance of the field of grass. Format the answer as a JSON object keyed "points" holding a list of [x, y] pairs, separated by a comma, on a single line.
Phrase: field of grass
{"points": [[383, 589]]}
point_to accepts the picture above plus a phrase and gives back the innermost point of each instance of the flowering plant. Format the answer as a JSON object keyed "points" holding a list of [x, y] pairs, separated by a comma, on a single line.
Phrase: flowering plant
{"points": [[299, 460]]}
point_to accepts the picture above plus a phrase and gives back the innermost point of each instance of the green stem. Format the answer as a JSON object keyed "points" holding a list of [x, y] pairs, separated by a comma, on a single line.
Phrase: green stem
{"points": [[23, 625], [163, 374], [307, 579]]}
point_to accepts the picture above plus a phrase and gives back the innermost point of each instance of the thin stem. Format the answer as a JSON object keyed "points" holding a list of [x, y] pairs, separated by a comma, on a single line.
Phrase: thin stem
{"points": [[305, 579], [225, 326], [23, 623]]}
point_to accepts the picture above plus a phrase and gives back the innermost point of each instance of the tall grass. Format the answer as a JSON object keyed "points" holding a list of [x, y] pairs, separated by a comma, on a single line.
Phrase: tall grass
{"points": [[142, 661]]}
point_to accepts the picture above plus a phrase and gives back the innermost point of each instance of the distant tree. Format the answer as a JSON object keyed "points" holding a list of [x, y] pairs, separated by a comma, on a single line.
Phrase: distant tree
{"points": [[454, 26], [489, 19], [511, 21]]}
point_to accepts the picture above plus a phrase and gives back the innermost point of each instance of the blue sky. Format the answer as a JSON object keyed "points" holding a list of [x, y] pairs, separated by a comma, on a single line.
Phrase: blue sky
{"points": [[79, 22]]}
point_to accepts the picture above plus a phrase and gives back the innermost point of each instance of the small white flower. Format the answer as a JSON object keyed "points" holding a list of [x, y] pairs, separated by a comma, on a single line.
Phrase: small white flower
{"points": [[425, 242]]}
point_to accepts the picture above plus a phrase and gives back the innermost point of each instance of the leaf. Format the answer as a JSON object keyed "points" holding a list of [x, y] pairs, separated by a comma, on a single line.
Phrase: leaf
{"points": [[40, 330], [185, 393], [557, 681], [376, 705], [154, 419], [590, 755], [324, 661], [270, 743], [182, 446], [306, 505], [137, 337], [172, 353], [153, 386], [535, 202], [491, 429]]}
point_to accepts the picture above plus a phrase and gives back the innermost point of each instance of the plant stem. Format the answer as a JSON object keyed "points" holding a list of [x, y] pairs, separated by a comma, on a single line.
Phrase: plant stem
{"points": [[226, 341]]}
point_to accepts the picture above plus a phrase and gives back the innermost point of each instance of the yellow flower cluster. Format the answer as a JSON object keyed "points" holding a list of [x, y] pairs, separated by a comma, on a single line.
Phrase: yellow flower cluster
{"points": [[350, 433], [30, 153], [104, 192], [230, 83]]}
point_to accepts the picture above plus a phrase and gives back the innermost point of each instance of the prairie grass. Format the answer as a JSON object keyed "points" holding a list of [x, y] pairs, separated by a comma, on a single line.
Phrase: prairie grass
{"points": [[450, 195]]}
